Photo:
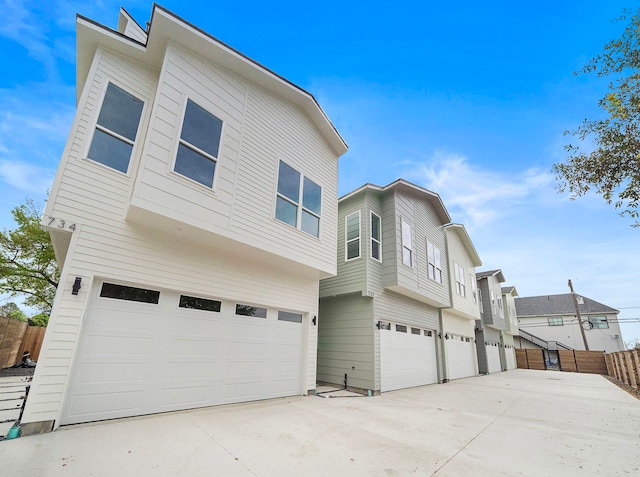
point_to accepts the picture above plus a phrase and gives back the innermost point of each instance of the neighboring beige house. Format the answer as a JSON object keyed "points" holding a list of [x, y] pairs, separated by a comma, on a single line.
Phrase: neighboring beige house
{"points": [[388, 320], [193, 214], [550, 322], [510, 332]]}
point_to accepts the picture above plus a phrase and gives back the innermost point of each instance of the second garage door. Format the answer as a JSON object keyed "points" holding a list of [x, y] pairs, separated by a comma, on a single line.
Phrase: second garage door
{"points": [[461, 356], [145, 351], [407, 357]]}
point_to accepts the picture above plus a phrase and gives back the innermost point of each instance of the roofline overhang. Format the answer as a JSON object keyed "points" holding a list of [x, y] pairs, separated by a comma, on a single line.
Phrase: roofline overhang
{"points": [[466, 240], [432, 197], [161, 32]]}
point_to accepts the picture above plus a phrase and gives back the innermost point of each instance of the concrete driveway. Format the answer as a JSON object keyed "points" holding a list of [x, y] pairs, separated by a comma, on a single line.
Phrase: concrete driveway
{"points": [[522, 422]]}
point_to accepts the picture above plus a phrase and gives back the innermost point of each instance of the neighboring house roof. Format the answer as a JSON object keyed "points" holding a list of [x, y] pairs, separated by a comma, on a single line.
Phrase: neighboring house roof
{"points": [[405, 185], [166, 27], [558, 305], [511, 290], [466, 240], [491, 273]]}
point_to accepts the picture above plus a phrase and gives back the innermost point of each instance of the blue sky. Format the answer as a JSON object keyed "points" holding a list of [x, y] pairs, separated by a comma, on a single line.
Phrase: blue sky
{"points": [[468, 99]]}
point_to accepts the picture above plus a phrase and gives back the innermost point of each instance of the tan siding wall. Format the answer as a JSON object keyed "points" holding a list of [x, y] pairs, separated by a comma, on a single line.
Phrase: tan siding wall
{"points": [[457, 325], [457, 253], [345, 341]]}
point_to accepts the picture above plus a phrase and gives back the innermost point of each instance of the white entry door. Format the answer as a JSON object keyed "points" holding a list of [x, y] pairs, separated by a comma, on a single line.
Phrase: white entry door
{"points": [[407, 357], [461, 357], [146, 351]]}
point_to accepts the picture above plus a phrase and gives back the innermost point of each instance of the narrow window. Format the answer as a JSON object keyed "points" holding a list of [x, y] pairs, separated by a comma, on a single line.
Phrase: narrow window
{"points": [[248, 310], [199, 145], [352, 235], [298, 200], [460, 286], [401, 328], [415, 331], [407, 245], [474, 287], [121, 292], [288, 316], [376, 237], [433, 258], [116, 129], [196, 303]]}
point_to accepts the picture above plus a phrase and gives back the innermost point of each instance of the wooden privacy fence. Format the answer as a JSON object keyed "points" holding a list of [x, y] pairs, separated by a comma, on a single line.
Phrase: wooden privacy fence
{"points": [[16, 337], [625, 366], [570, 360], [530, 359]]}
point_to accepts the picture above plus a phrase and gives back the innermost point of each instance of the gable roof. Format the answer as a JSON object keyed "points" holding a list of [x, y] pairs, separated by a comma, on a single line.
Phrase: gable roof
{"points": [[466, 240], [509, 290], [491, 273], [405, 185], [558, 305], [165, 27]]}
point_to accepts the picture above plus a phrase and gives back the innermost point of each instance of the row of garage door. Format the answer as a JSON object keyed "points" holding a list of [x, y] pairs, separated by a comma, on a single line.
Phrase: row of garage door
{"points": [[408, 356], [146, 351]]}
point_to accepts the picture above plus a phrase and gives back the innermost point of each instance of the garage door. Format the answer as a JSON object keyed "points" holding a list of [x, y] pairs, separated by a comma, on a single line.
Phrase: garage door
{"points": [[144, 351], [510, 352], [407, 357], [461, 356], [493, 357]]}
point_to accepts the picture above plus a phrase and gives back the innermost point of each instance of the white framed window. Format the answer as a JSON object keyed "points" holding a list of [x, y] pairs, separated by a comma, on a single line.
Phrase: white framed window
{"points": [[199, 145], [407, 244], [474, 287], [598, 322], [480, 300], [500, 309], [376, 237], [116, 129], [555, 321], [352, 236], [460, 281], [433, 258], [298, 200]]}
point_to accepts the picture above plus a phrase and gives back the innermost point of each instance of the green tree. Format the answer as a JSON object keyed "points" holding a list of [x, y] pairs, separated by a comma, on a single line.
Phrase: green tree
{"points": [[609, 162], [27, 263], [41, 319], [11, 310]]}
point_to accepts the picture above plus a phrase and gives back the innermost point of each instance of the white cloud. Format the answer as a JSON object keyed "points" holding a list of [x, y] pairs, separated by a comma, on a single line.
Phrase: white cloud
{"points": [[26, 177], [479, 195]]}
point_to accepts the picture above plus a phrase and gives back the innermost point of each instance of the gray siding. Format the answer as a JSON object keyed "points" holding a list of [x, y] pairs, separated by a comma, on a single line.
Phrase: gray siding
{"points": [[345, 341]]}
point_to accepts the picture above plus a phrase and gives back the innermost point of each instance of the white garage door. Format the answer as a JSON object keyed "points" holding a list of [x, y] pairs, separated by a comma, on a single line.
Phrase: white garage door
{"points": [[510, 352], [461, 357], [144, 351], [493, 357], [407, 357]]}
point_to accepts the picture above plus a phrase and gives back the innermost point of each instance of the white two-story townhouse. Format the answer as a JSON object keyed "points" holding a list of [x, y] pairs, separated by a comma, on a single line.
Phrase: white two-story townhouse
{"points": [[509, 294], [459, 320], [491, 324], [379, 320], [193, 214]]}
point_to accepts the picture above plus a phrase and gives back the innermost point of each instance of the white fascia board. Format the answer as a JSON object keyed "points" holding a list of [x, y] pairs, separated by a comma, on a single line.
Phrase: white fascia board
{"points": [[466, 240]]}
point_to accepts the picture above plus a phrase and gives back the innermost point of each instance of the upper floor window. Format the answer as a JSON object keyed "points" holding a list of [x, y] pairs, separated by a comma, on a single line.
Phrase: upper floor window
{"points": [[376, 237], [352, 236], [460, 286], [199, 145], [435, 267], [116, 129], [500, 310], [555, 321], [598, 322], [407, 244], [298, 200], [474, 287]]}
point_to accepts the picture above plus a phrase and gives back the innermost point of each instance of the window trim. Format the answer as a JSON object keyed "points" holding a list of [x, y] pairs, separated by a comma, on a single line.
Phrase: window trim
{"points": [[460, 275], [95, 126], [410, 240], [300, 208], [474, 287], [358, 238], [435, 265], [379, 242], [179, 141]]}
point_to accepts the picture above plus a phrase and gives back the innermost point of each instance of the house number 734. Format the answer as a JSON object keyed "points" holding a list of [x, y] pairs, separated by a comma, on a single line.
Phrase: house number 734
{"points": [[61, 224]]}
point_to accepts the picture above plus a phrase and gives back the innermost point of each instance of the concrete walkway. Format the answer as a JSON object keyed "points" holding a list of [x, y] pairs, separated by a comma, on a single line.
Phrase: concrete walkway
{"points": [[522, 422]]}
